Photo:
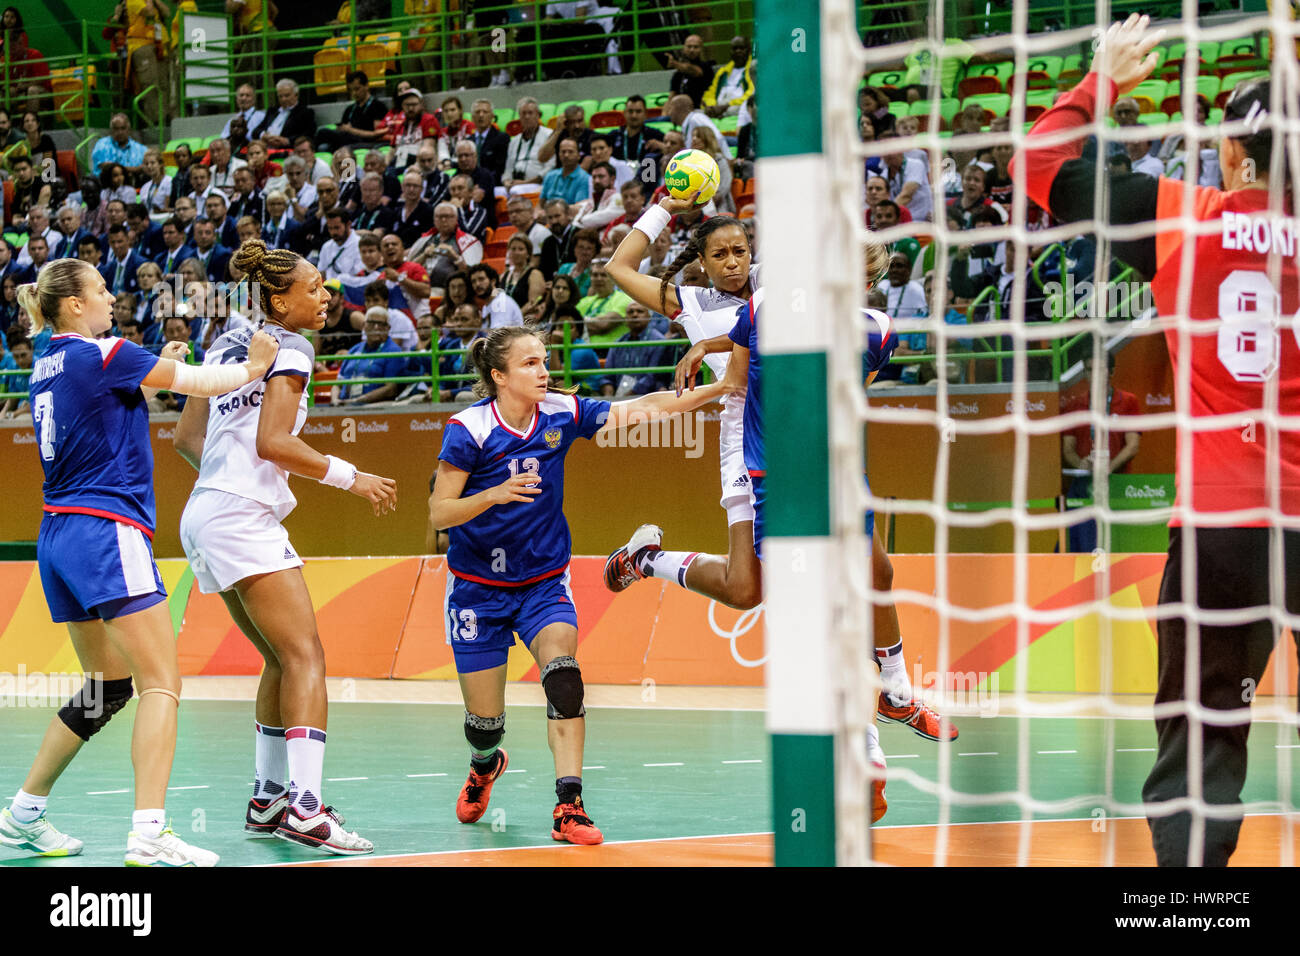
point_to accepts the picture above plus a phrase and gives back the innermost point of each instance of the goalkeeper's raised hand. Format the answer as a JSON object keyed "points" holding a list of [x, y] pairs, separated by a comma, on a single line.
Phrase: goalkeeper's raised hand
{"points": [[1126, 53]]}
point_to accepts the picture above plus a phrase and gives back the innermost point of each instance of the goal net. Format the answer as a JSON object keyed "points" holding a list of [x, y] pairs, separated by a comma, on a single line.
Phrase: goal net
{"points": [[1026, 568]]}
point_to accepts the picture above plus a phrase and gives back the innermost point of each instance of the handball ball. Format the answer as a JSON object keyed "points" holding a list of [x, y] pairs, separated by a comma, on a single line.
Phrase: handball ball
{"points": [[689, 170]]}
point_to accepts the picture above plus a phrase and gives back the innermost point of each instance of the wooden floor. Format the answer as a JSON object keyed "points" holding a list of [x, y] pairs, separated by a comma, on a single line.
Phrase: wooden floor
{"points": [[1055, 843]]}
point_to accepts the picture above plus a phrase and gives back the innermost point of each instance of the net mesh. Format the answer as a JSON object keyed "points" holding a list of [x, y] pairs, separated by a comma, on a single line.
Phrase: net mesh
{"points": [[953, 783]]}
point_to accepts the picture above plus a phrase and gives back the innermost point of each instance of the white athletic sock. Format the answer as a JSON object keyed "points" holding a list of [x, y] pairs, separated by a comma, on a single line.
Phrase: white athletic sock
{"points": [[27, 807], [893, 673], [305, 748], [874, 752], [669, 565], [148, 823], [270, 777]]}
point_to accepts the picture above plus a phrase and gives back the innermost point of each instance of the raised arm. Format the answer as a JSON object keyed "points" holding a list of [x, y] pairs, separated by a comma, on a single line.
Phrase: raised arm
{"points": [[1059, 180], [210, 380], [658, 405], [625, 261]]}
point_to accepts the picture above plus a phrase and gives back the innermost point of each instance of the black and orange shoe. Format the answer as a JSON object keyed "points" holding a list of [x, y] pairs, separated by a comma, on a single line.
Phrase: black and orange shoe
{"points": [[473, 800], [622, 568], [878, 803], [264, 816], [573, 825], [921, 718]]}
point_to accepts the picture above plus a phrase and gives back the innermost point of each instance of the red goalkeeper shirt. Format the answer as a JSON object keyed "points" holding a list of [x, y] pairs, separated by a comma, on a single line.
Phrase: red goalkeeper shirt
{"points": [[1232, 364]]}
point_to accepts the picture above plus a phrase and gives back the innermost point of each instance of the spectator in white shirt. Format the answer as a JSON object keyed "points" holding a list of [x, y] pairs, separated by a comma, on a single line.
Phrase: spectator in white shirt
{"points": [[246, 103], [222, 166], [496, 308], [904, 297], [1139, 154], [305, 149], [300, 193], [156, 193], [339, 256], [201, 185], [909, 183], [605, 204], [683, 113], [523, 216], [524, 171]]}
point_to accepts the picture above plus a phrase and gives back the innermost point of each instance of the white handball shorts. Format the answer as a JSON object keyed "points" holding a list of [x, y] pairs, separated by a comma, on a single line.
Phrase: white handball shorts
{"points": [[737, 490], [228, 538]]}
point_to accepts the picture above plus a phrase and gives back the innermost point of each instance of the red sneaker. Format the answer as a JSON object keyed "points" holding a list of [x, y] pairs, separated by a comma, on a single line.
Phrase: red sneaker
{"points": [[573, 825], [621, 570], [878, 803], [922, 720], [473, 800]]}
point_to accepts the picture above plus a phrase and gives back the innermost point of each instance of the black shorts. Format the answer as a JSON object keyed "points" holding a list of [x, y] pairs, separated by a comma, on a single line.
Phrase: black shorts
{"points": [[1232, 569]]}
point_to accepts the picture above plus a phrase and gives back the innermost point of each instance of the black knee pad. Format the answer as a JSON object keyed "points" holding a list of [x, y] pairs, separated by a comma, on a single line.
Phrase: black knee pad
{"points": [[562, 682], [484, 733], [94, 705]]}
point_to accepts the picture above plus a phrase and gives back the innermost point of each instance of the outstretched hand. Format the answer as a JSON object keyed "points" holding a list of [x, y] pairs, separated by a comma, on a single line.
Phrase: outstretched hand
{"points": [[1126, 53]]}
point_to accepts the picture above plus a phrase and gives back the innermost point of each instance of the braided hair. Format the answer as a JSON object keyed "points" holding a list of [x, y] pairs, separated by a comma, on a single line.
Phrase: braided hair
{"points": [[694, 250], [269, 271]]}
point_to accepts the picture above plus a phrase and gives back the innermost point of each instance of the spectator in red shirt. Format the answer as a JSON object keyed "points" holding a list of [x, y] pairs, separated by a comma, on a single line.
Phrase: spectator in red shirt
{"points": [[1077, 445], [416, 125]]}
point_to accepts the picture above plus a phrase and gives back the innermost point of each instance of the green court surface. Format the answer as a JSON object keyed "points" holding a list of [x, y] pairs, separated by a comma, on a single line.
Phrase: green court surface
{"points": [[651, 773]]}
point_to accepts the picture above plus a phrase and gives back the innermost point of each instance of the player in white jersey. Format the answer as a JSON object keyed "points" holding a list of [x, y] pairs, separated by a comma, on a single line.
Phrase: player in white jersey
{"points": [[245, 444], [721, 245]]}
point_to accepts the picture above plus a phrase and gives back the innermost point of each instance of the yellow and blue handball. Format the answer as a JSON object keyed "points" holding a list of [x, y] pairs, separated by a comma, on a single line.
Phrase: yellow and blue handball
{"points": [[691, 170]]}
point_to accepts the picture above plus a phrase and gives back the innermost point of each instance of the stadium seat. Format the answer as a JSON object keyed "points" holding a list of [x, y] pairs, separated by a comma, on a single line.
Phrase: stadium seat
{"points": [[1246, 62], [978, 85], [1232, 79], [995, 103], [1153, 90], [1030, 80], [503, 233], [391, 41], [496, 249], [1154, 118], [613, 103], [513, 127], [1002, 71], [887, 78], [502, 211], [1242, 47], [1071, 69], [501, 117], [65, 164], [1032, 112], [373, 58], [545, 111], [900, 108], [330, 66], [1207, 50], [1146, 105], [9, 200], [1173, 69], [66, 85], [589, 108], [948, 108], [658, 99], [654, 112], [606, 119], [499, 264], [1043, 98], [1051, 65]]}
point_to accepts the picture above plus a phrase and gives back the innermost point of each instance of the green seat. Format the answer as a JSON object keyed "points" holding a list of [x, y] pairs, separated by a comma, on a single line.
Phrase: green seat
{"points": [[1043, 98], [545, 112], [1208, 50], [1153, 119], [1232, 79], [503, 116], [1051, 65], [1243, 47], [657, 99], [900, 108], [193, 142], [589, 107], [1208, 86], [887, 78], [1072, 67], [996, 103], [948, 108], [613, 103], [1002, 71], [1153, 89], [1216, 116]]}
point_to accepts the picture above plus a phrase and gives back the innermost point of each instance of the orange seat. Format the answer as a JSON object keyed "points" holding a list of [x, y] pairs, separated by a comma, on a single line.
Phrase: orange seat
{"points": [[434, 302], [502, 212], [1020, 83], [496, 249], [499, 264], [977, 85], [503, 233], [606, 119]]}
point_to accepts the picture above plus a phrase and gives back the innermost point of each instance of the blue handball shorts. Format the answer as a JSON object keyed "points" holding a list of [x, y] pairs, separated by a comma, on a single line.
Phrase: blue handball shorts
{"points": [[482, 620], [94, 567]]}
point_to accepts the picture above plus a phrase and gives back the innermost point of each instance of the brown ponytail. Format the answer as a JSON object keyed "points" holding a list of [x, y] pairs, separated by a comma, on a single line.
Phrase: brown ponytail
{"points": [[490, 352]]}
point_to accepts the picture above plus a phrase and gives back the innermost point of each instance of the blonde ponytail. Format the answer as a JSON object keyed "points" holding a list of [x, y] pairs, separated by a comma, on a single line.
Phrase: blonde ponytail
{"points": [[61, 279]]}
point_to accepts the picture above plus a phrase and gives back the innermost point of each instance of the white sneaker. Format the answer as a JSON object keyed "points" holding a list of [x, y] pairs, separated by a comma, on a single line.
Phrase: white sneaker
{"points": [[167, 850], [322, 831], [876, 757], [39, 836], [621, 567]]}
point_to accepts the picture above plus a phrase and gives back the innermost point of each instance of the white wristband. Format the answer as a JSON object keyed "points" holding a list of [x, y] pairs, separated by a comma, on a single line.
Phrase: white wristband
{"points": [[653, 221], [208, 380], [341, 474]]}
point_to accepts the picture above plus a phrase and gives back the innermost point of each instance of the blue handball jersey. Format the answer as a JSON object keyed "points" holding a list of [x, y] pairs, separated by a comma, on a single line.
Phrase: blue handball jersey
{"points": [[880, 345], [518, 543], [92, 428]]}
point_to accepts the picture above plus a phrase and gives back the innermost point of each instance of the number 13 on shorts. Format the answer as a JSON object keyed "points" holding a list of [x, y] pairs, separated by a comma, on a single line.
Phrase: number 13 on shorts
{"points": [[462, 625]]}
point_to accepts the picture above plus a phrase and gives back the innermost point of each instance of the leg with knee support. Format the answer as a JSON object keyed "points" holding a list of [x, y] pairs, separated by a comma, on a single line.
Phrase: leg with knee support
{"points": [[94, 706], [484, 733], [562, 682]]}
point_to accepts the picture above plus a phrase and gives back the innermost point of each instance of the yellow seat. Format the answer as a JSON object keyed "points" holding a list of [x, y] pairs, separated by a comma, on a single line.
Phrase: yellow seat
{"points": [[373, 59], [331, 68], [66, 85], [390, 41]]}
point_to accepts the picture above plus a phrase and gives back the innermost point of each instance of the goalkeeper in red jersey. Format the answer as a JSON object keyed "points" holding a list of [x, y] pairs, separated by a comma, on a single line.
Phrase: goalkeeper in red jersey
{"points": [[1238, 506]]}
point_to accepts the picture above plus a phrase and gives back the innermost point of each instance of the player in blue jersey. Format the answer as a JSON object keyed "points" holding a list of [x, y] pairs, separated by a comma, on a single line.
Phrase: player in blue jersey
{"points": [[500, 491], [245, 445], [89, 400]]}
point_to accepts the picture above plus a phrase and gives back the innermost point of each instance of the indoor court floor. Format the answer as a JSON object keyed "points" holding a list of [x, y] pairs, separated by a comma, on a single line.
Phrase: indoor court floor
{"points": [[669, 784]]}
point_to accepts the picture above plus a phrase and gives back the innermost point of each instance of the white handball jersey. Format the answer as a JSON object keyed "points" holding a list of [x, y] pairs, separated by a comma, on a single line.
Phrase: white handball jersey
{"points": [[230, 460], [708, 313]]}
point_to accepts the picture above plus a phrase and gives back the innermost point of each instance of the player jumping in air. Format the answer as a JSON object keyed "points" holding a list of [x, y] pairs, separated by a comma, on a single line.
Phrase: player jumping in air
{"points": [[245, 445], [721, 246], [89, 399], [500, 491], [1232, 506]]}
